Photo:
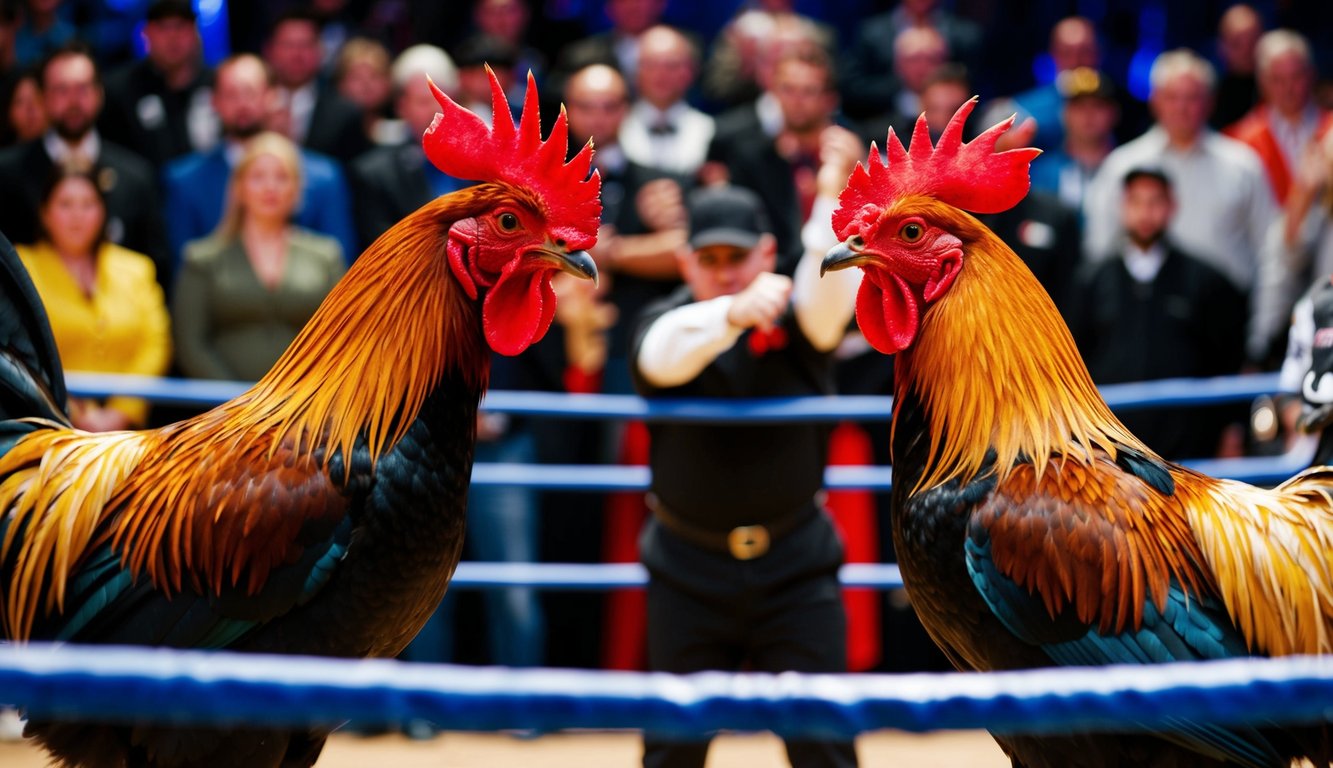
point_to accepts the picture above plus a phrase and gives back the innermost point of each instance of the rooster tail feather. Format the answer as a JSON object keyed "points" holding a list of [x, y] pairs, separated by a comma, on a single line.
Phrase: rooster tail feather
{"points": [[31, 380]]}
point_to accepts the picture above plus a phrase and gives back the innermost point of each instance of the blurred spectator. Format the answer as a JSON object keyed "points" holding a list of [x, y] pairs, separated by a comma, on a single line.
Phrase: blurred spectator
{"points": [[473, 56], [160, 106], [618, 46], [107, 311], [1308, 409], [643, 216], [1238, 32], [310, 112], [1154, 311], [361, 75], [1222, 198], [24, 115], [245, 291], [772, 146], [744, 52], [338, 24], [196, 184], [662, 130], [44, 30], [391, 181], [1089, 118], [72, 98], [869, 85], [919, 58], [1286, 124], [1299, 246], [1073, 45], [507, 21], [9, 27]]}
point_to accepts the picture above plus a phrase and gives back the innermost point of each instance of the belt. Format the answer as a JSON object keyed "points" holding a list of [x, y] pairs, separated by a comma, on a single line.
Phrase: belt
{"points": [[744, 542]]}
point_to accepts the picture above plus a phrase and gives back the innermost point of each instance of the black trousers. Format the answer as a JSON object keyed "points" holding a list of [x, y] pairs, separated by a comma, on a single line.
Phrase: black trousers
{"points": [[798, 625]]}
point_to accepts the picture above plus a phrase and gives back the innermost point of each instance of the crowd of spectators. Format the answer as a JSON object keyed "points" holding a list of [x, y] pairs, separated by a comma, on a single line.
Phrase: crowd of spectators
{"points": [[279, 159]]}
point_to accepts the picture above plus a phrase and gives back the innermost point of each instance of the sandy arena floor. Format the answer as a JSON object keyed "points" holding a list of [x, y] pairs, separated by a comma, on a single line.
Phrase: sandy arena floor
{"points": [[607, 750]]}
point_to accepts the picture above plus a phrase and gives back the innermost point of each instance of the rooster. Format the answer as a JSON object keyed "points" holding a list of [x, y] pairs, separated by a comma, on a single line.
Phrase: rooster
{"points": [[1032, 529], [322, 511]]}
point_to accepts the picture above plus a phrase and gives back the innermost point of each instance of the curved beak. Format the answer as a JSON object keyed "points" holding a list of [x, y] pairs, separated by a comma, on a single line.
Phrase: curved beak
{"points": [[841, 256], [577, 263]]}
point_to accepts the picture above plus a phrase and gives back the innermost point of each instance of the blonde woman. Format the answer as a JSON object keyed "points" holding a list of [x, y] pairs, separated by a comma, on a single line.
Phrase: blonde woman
{"points": [[245, 291], [106, 309]]}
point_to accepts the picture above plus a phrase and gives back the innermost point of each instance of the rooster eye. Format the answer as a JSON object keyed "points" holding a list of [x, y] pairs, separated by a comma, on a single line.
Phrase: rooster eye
{"points": [[911, 232], [508, 222]]}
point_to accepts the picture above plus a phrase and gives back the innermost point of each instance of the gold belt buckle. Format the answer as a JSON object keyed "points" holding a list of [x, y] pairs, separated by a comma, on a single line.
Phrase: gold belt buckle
{"points": [[748, 541]]}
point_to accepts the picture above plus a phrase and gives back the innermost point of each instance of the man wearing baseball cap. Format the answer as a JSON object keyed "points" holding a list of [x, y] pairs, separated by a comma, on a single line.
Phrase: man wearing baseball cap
{"points": [[742, 557]]}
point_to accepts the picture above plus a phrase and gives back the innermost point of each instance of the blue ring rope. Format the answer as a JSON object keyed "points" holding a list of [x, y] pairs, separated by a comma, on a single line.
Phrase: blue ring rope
{"points": [[473, 574], [228, 688], [1167, 392]]}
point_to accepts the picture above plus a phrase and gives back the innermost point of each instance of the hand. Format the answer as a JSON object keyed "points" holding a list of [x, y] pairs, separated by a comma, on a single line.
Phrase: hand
{"points": [[604, 253], [585, 318], [661, 205], [839, 152], [1020, 135], [91, 417], [761, 303]]}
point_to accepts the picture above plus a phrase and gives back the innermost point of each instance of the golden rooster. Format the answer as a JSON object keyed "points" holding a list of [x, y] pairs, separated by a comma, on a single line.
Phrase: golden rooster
{"points": [[322, 511], [1031, 527]]}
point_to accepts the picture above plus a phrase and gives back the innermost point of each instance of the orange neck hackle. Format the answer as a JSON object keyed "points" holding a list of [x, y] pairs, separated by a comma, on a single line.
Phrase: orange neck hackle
{"points": [[379, 343], [995, 367]]}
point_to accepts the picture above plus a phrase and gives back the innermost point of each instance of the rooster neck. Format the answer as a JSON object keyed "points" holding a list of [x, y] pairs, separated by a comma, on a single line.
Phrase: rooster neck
{"points": [[378, 346], [994, 369]]}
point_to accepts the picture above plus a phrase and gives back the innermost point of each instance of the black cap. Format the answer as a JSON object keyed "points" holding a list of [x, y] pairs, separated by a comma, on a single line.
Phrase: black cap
{"points": [[1085, 81], [726, 216], [171, 9], [1147, 172], [484, 49]]}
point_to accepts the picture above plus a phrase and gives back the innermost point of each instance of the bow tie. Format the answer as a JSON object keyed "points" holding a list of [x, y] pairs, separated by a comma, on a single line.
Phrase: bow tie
{"points": [[662, 128]]}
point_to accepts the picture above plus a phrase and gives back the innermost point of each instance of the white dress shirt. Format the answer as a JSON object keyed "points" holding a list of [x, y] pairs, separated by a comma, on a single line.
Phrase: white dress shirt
{"points": [[675, 139]]}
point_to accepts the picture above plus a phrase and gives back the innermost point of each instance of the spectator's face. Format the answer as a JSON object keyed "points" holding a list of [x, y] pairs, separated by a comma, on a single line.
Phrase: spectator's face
{"points": [[365, 84], [266, 189], [26, 115], [1287, 83], [1237, 35], [503, 19], [242, 98], [916, 57], [416, 105], [295, 53], [71, 96], [724, 270], [666, 69], [803, 92], [1074, 45], [1147, 211], [1090, 119], [73, 215], [634, 16], [1181, 106], [596, 102], [940, 101], [172, 42]]}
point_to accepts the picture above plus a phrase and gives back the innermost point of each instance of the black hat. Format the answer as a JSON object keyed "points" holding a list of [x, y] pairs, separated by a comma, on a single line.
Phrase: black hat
{"points": [[726, 215], [484, 49], [1147, 172], [1085, 81], [171, 9]]}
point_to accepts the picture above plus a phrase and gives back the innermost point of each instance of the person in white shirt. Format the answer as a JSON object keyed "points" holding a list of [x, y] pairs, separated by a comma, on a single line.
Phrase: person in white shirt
{"points": [[1223, 201], [662, 130]]}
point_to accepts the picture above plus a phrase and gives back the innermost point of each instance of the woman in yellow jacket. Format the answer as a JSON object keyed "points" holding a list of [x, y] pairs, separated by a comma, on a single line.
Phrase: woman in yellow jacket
{"points": [[106, 309]]}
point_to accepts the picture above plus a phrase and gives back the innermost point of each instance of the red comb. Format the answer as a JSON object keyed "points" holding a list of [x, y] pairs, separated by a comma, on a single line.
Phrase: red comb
{"points": [[971, 176], [460, 144]]}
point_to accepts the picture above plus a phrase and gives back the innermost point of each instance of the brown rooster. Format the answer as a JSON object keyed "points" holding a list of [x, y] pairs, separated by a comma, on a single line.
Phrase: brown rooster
{"points": [[1031, 527], [322, 511]]}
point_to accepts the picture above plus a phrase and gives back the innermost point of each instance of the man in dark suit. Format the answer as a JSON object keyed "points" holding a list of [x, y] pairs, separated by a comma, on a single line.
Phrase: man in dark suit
{"points": [[160, 105], [772, 146], [313, 113], [72, 96], [390, 182], [196, 184]]}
